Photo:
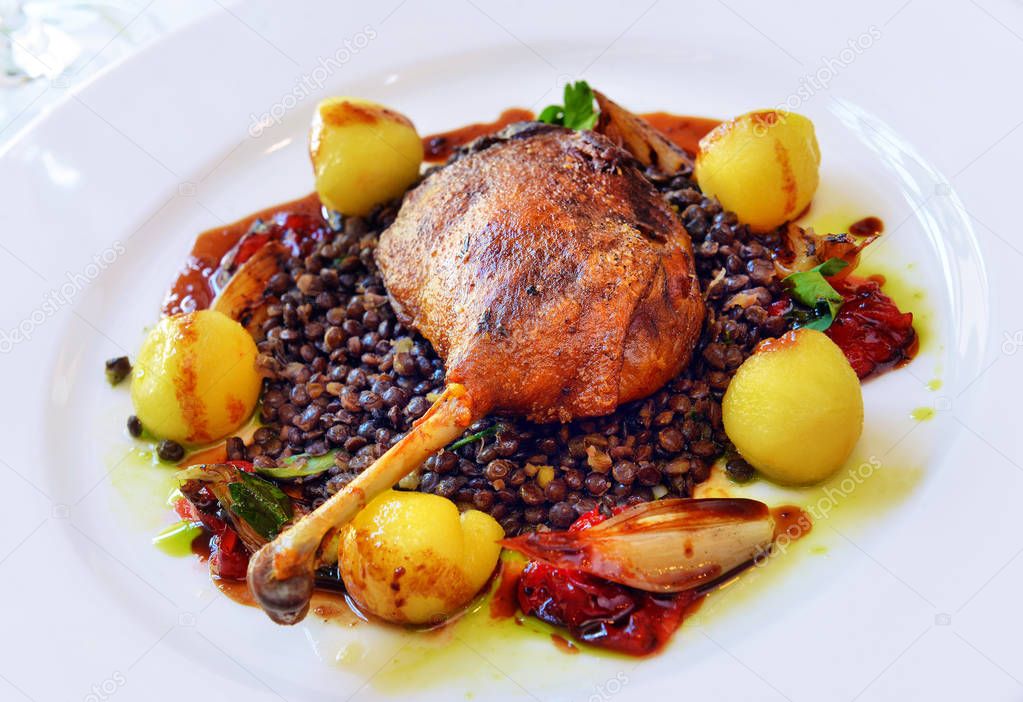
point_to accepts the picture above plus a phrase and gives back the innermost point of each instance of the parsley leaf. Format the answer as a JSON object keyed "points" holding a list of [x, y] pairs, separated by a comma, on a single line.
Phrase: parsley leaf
{"points": [[577, 112], [552, 114], [812, 290], [261, 504]]}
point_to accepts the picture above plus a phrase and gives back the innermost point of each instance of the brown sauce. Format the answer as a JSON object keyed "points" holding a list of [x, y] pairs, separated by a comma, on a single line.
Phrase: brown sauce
{"points": [[194, 288], [332, 607], [201, 546], [325, 604], [438, 147], [328, 606], [868, 226], [236, 590], [684, 130], [791, 521]]}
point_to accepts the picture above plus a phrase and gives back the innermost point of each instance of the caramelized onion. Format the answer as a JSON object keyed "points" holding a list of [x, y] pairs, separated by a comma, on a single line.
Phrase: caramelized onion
{"points": [[636, 135], [663, 546], [242, 298]]}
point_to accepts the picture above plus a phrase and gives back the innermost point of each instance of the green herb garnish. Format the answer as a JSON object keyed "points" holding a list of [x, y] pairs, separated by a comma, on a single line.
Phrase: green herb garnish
{"points": [[300, 466], [489, 431], [577, 112], [812, 290], [261, 504]]}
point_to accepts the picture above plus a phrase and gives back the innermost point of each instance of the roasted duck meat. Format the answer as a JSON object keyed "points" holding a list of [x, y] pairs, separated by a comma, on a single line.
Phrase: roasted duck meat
{"points": [[550, 275], [555, 281]]}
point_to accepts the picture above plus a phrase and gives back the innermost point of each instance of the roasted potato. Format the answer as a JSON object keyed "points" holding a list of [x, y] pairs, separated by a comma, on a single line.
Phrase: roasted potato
{"points": [[195, 379], [794, 409], [411, 558], [763, 166], [363, 154]]}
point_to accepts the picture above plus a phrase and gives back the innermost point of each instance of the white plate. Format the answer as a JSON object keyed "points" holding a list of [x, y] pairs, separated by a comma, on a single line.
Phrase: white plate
{"points": [[907, 583]]}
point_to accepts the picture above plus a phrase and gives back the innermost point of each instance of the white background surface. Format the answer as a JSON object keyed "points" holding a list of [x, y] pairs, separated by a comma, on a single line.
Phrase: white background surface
{"points": [[927, 604]]}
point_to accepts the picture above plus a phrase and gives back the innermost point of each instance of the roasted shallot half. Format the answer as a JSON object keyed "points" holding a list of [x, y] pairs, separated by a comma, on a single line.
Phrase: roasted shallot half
{"points": [[243, 296], [637, 136], [664, 546]]}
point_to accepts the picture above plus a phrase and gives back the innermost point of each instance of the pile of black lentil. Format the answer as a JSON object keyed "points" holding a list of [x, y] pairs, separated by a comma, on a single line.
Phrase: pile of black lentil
{"points": [[344, 375]]}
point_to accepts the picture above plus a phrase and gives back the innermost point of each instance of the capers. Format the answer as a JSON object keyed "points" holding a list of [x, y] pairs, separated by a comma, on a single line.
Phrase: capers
{"points": [[134, 426], [170, 451], [117, 369]]}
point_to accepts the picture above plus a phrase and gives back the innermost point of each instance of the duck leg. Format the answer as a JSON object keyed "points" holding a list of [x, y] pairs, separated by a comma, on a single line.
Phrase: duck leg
{"points": [[281, 573]]}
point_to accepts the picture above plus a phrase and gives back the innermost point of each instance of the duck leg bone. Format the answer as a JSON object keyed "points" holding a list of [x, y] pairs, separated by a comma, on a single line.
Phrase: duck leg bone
{"points": [[281, 573]]}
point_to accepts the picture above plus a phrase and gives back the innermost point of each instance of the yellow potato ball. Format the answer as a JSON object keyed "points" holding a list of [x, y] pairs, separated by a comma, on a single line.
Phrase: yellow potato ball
{"points": [[195, 379], [763, 166], [794, 409], [363, 154], [411, 558]]}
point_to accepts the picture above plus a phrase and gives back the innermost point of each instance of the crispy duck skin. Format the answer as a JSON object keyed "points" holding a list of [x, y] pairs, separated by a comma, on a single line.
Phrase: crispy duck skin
{"points": [[551, 276]]}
